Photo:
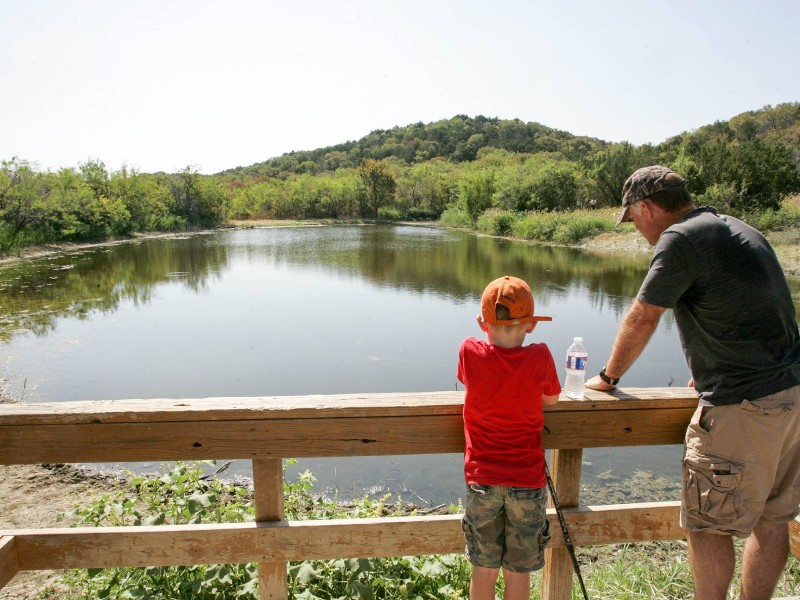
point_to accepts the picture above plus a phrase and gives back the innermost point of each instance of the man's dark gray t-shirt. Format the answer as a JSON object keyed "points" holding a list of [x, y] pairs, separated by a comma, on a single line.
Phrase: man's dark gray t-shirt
{"points": [[734, 310]]}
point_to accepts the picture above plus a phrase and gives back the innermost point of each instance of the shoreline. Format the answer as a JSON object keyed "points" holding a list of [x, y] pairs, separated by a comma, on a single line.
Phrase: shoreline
{"points": [[786, 242]]}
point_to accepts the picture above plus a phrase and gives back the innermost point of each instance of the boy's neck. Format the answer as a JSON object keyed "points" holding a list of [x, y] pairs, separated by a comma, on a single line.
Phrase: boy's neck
{"points": [[505, 336]]}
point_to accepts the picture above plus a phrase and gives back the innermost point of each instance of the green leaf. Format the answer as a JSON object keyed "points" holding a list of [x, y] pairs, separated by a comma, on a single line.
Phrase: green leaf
{"points": [[305, 573], [158, 519], [433, 569]]}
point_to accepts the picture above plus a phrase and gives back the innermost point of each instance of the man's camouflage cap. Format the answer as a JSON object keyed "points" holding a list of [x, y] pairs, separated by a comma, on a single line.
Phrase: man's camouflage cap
{"points": [[644, 183]]}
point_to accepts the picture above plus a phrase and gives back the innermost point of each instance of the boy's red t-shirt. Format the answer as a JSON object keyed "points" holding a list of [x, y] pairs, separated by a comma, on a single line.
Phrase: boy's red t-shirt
{"points": [[503, 417]]}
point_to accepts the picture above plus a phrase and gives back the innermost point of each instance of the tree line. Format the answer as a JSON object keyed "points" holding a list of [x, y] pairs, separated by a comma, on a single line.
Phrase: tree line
{"points": [[92, 202], [469, 165]]}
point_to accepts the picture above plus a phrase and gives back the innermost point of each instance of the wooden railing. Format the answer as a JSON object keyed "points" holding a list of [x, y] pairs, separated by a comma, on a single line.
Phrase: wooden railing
{"points": [[267, 429]]}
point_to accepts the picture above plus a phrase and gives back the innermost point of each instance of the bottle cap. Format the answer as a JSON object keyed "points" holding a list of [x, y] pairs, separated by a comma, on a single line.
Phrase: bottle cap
{"points": [[578, 340]]}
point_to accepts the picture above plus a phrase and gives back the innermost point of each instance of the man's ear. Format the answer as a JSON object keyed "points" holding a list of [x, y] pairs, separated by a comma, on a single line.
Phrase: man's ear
{"points": [[649, 208]]}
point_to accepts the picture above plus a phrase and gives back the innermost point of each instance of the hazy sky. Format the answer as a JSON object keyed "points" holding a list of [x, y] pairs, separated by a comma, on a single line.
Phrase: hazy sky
{"points": [[162, 85]]}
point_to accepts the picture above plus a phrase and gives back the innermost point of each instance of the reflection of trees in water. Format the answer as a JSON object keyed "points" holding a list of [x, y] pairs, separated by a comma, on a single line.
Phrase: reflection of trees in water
{"points": [[459, 264], [34, 294]]}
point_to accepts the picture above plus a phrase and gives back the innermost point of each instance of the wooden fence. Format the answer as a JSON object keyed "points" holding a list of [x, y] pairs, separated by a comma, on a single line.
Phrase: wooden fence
{"points": [[267, 429]]}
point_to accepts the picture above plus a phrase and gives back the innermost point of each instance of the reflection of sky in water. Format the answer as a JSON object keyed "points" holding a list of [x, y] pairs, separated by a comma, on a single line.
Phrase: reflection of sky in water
{"points": [[322, 310]]}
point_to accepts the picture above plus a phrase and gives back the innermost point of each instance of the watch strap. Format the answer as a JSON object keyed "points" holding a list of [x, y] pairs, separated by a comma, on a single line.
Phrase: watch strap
{"points": [[606, 378]]}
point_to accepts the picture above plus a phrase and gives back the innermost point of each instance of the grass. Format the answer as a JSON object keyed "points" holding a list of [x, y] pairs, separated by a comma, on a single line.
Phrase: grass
{"points": [[184, 494], [553, 227]]}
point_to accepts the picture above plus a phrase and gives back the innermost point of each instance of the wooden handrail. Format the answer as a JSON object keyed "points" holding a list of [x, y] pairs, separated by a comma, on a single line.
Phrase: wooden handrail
{"points": [[314, 426], [267, 429]]}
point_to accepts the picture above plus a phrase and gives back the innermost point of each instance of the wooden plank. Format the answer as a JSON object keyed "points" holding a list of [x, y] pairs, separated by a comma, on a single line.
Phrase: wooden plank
{"points": [[311, 407], [9, 565], [615, 428], [87, 547], [268, 494], [566, 474], [232, 409], [271, 438], [196, 440], [794, 537]]}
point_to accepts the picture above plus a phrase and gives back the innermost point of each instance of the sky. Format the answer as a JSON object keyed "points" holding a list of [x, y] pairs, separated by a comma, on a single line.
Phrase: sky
{"points": [[162, 85]]}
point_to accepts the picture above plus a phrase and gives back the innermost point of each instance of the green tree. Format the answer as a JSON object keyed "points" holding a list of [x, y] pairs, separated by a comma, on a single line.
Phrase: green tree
{"points": [[555, 188], [20, 209], [476, 190], [610, 168], [378, 183], [202, 201]]}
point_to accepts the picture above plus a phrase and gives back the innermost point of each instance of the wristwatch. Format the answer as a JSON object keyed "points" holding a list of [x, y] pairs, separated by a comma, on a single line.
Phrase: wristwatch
{"points": [[606, 378]]}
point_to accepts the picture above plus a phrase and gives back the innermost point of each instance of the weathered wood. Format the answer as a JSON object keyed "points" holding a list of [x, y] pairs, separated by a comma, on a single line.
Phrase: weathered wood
{"points": [[164, 545], [566, 474], [794, 537], [266, 429], [62, 433], [268, 495], [312, 407], [9, 565]]}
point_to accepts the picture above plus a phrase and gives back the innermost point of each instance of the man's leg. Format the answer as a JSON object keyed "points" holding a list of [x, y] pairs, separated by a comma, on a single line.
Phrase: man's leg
{"points": [[713, 559], [517, 585], [481, 586], [763, 560]]}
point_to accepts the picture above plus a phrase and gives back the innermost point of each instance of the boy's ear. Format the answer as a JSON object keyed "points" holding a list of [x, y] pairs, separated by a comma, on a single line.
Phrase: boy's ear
{"points": [[482, 324], [531, 327]]}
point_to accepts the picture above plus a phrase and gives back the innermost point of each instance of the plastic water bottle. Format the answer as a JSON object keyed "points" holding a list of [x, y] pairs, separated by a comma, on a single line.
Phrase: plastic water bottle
{"points": [[577, 360]]}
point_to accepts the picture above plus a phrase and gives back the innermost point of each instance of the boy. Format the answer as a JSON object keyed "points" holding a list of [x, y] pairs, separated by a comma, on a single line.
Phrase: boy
{"points": [[506, 385]]}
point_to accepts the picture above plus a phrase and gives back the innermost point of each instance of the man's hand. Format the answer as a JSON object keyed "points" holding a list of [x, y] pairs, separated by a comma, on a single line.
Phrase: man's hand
{"points": [[595, 383]]}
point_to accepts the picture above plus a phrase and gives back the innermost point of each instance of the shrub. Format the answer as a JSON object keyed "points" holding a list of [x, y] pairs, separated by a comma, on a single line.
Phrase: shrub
{"points": [[455, 217], [497, 222], [561, 228], [389, 213]]}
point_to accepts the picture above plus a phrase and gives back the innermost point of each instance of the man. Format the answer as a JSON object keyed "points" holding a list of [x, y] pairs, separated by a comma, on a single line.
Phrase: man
{"points": [[738, 329]]}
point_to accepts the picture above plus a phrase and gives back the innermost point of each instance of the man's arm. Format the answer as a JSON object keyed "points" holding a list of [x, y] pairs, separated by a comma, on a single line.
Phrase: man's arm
{"points": [[635, 331]]}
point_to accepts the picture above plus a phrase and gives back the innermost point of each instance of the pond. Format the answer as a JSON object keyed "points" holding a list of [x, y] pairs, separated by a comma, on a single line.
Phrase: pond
{"points": [[311, 310]]}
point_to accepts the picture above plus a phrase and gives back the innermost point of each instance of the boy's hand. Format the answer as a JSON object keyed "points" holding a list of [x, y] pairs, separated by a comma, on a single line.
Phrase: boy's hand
{"points": [[595, 383]]}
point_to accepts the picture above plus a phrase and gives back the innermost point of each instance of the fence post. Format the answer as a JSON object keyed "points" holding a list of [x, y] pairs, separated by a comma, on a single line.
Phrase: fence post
{"points": [[565, 468], [268, 498]]}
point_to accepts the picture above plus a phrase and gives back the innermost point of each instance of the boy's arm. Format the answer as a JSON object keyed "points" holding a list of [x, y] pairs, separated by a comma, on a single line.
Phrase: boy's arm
{"points": [[549, 399]]}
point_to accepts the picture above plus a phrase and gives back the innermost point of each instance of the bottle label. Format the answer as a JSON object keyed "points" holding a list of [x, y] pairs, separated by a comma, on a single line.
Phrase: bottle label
{"points": [[577, 362]]}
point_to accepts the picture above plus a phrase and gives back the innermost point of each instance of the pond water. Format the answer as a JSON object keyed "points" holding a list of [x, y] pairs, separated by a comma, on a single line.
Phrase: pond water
{"points": [[311, 310]]}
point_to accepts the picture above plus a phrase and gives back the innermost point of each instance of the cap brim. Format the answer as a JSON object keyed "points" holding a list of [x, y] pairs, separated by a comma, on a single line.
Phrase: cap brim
{"points": [[624, 217]]}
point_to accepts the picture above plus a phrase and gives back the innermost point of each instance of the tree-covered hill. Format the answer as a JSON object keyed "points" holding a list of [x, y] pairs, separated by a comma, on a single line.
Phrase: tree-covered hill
{"points": [[458, 140], [461, 138]]}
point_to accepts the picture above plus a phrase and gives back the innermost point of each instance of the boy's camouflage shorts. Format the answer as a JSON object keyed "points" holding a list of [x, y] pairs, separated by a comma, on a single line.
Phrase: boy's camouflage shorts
{"points": [[506, 526]]}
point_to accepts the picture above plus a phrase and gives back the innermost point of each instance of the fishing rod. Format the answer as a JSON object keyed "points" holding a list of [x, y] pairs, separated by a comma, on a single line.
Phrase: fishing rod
{"points": [[565, 531]]}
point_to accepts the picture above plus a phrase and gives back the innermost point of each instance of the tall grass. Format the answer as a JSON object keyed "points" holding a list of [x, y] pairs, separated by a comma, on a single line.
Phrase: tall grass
{"points": [[554, 227], [788, 215]]}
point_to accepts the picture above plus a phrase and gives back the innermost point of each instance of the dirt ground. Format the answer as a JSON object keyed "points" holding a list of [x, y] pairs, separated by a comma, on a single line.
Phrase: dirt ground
{"points": [[33, 496]]}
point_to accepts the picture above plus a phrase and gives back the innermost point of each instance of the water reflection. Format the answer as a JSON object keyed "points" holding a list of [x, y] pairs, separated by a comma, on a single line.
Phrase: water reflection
{"points": [[309, 310]]}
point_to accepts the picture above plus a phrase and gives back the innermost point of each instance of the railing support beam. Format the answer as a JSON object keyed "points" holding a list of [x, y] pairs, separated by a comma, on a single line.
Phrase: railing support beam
{"points": [[566, 472], [268, 493], [9, 562]]}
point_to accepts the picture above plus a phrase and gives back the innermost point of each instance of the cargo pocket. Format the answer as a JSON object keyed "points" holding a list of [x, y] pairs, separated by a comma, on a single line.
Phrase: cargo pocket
{"points": [[710, 485], [544, 534]]}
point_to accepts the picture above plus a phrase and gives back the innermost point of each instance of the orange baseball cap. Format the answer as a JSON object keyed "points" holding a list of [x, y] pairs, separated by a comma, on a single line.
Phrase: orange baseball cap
{"points": [[515, 295]]}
